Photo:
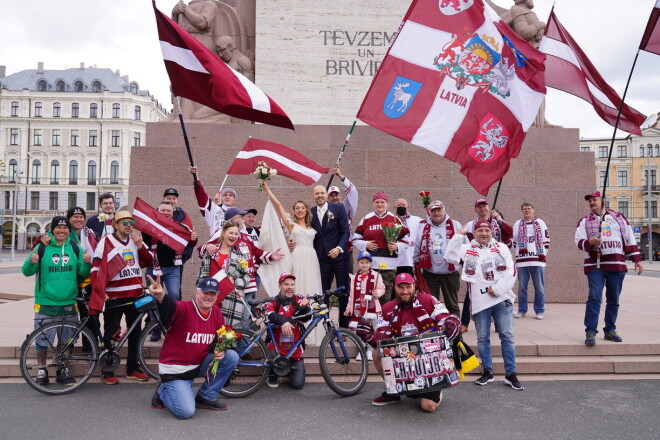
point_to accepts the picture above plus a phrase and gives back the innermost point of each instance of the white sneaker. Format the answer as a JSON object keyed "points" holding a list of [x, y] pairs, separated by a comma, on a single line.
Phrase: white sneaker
{"points": [[519, 315], [359, 357], [539, 316], [370, 355]]}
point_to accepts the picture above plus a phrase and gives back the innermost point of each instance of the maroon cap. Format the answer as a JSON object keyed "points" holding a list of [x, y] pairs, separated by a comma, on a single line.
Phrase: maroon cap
{"points": [[380, 195], [482, 224], [593, 194], [284, 276], [480, 201], [404, 278]]}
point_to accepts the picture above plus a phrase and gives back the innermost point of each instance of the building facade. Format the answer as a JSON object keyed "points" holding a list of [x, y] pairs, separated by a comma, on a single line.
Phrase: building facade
{"points": [[65, 137], [632, 178]]}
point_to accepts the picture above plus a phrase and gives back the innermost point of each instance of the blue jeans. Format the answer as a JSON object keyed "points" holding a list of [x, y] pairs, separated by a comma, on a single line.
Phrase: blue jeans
{"points": [[613, 282], [536, 273], [502, 314], [170, 279], [178, 395]]}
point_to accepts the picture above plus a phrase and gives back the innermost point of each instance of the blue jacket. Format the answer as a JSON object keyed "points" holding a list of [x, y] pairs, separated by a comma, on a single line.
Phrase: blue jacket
{"points": [[333, 231]]}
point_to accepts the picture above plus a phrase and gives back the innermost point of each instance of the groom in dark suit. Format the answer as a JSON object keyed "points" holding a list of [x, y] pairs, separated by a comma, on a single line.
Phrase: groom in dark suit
{"points": [[331, 244]]}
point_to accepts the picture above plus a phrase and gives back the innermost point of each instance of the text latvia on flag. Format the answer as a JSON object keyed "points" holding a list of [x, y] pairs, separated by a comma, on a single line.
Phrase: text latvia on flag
{"points": [[152, 222], [198, 74], [651, 38], [459, 82], [567, 68], [287, 161]]}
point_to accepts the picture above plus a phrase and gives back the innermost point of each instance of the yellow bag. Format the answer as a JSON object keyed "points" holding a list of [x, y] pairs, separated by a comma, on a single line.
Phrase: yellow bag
{"points": [[468, 359]]}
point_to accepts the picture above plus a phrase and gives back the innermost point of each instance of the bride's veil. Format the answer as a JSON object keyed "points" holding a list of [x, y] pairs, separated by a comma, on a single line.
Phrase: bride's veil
{"points": [[272, 238]]}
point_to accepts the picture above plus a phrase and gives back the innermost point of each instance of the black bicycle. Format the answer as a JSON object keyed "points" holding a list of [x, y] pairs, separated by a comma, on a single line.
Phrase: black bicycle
{"points": [[72, 351]]}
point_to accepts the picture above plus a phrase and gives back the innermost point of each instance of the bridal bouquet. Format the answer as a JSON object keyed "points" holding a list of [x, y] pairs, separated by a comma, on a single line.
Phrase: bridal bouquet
{"points": [[391, 231], [264, 172]]}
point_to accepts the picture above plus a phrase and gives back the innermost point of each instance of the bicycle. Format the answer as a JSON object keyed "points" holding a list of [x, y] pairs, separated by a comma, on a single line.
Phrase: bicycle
{"points": [[337, 353], [74, 366]]}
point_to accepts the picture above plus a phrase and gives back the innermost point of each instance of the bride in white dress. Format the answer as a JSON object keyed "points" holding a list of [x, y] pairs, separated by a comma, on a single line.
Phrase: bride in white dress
{"points": [[305, 263]]}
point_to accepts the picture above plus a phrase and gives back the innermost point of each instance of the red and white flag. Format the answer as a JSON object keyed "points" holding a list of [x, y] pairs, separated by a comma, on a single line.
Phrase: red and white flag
{"points": [[460, 83], [198, 74], [651, 39], [567, 68], [172, 233], [104, 269], [88, 240], [287, 161]]}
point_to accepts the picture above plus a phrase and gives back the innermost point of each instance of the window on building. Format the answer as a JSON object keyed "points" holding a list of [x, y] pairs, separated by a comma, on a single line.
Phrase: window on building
{"points": [[137, 139], [38, 136], [55, 172], [654, 208], [36, 171], [75, 138], [60, 86], [602, 178], [115, 110], [657, 150], [91, 173], [91, 201], [602, 151], [134, 88], [114, 172], [138, 113], [57, 110], [75, 110], [649, 150], [96, 87], [13, 170], [57, 137], [622, 178], [653, 177], [53, 201], [42, 85], [72, 200], [73, 172], [78, 86], [93, 138], [34, 200], [93, 110], [38, 109], [13, 136], [7, 200], [14, 108], [623, 207], [115, 138], [641, 151], [585, 149], [622, 151]]}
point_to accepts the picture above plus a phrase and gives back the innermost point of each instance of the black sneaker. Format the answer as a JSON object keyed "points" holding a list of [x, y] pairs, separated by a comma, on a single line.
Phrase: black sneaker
{"points": [[64, 377], [156, 402], [42, 377], [590, 340], [485, 379], [273, 381], [513, 382], [214, 405], [613, 336]]}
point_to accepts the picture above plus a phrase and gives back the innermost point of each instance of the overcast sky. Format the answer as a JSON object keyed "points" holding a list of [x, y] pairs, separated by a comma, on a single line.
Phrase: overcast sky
{"points": [[121, 34]]}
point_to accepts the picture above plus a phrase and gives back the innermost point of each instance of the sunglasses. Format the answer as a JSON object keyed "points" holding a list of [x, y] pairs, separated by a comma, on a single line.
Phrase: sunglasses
{"points": [[128, 223]]}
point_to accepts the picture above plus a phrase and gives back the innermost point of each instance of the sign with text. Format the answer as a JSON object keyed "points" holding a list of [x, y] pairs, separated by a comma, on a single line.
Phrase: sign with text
{"points": [[317, 59]]}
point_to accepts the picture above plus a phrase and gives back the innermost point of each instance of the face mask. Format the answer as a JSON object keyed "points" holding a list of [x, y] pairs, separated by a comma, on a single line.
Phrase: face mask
{"points": [[401, 210]]}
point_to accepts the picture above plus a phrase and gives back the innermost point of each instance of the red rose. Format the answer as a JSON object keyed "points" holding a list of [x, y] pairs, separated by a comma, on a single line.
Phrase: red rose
{"points": [[239, 336]]}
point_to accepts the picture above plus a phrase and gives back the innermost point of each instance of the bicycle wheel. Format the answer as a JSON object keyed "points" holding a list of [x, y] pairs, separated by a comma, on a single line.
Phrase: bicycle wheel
{"points": [[342, 372], [60, 355], [252, 369], [149, 351]]}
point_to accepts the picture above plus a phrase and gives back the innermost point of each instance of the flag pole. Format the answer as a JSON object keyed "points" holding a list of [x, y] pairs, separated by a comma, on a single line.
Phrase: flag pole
{"points": [[185, 137], [341, 153], [497, 194]]}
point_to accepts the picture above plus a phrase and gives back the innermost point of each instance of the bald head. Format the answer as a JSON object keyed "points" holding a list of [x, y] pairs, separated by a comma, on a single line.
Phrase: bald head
{"points": [[320, 196]]}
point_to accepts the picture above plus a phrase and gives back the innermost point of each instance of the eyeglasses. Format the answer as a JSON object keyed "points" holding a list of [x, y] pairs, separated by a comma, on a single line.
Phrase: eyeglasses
{"points": [[128, 223]]}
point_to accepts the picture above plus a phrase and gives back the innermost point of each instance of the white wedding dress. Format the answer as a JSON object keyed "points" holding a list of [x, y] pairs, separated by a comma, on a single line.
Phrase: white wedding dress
{"points": [[305, 262]]}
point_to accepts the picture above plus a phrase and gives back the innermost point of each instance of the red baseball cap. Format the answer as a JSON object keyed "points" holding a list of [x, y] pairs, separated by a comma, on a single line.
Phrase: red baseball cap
{"points": [[404, 278], [480, 201], [593, 194], [284, 276], [333, 189], [483, 224]]}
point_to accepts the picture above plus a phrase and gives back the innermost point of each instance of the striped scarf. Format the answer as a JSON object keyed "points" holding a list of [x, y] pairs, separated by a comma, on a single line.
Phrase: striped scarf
{"points": [[425, 321], [521, 238]]}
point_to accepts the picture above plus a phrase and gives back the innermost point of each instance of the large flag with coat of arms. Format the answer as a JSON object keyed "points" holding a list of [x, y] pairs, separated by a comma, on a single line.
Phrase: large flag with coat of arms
{"points": [[461, 83]]}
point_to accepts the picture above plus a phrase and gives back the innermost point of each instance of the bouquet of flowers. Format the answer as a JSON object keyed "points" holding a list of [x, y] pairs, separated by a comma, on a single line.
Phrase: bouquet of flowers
{"points": [[391, 231], [426, 198], [238, 269], [264, 172], [227, 338]]}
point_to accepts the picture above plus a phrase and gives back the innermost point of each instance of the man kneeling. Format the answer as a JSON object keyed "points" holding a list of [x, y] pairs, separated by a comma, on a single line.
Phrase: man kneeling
{"points": [[187, 351], [410, 314]]}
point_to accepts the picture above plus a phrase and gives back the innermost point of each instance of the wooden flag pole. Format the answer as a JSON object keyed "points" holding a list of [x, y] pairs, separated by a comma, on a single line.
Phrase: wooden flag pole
{"points": [[185, 137], [341, 153]]}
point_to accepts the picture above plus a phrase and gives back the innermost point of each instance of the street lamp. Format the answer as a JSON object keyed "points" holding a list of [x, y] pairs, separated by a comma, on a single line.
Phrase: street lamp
{"points": [[13, 221], [649, 230]]}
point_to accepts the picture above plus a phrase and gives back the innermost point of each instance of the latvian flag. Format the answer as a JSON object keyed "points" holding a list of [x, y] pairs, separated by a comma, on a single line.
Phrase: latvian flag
{"points": [[287, 161], [172, 233], [651, 39], [567, 68], [459, 82], [107, 263], [198, 74]]}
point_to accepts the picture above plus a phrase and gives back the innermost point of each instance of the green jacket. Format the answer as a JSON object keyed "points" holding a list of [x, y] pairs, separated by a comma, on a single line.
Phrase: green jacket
{"points": [[57, 273]]}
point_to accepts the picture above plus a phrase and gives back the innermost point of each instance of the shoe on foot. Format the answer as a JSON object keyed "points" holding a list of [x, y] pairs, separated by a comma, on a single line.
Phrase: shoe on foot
{"points": [[156, 401], [273, 381], [613, 336], [214, 405], [42, 377], [513, 382], [519, 315], [385, 399], [110, 379], [590, 340], [358, 357], [539, 316], [64, 377], [370, 355], [138, 375], [154, 337], [485, 379]]}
